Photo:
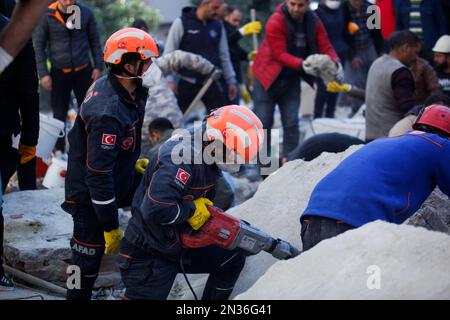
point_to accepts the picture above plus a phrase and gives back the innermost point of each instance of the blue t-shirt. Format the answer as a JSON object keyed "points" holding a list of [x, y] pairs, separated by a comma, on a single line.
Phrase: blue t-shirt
{"points": [[388, 179]]}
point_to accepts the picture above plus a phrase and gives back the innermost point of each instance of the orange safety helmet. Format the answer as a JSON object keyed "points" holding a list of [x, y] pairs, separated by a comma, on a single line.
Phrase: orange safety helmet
{"points": [[238, 128], [435, 116], [129, 40]]}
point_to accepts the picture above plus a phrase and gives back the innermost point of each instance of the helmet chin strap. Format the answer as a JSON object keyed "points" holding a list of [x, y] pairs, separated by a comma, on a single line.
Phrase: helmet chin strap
{"points": [[133, 76]]}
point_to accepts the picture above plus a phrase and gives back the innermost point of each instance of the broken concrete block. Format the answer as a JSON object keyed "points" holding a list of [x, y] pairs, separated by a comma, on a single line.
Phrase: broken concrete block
{"points": [[434, 214], [38, 233]]}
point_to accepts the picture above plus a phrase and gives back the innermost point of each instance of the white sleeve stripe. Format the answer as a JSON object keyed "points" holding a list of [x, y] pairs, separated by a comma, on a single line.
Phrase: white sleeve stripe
{"points": [[103, 203], [178, 214]]}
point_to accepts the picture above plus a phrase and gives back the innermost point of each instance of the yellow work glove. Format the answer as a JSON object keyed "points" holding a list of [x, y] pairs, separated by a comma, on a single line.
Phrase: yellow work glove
{"points": [[112, 241], [245, 95], [201, 214], [27, 153], [141, 165], [251, 28], [336, 87], [252, 55]]}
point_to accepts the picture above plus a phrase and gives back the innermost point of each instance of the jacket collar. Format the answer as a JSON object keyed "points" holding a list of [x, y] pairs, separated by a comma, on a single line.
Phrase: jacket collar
{"points": [[124, 96], [54, 12]]}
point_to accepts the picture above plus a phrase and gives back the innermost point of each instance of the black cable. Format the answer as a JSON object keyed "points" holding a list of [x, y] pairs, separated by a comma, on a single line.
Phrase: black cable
{"points": [[185, 276], [31, 297]]}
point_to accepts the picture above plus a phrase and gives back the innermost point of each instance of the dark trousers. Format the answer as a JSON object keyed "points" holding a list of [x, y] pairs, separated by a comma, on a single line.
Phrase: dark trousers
{"points": [[88, 246], [213, 98], [62, 85], [150, 277], [287, 95], [1, 240], [10, 163], [315, 229], [236, 100], [323, 97]]}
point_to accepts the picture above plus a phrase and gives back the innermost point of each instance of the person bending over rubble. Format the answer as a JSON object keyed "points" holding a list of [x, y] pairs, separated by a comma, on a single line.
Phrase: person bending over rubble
{"points": [[173, 198], [387, 179], [406, 124], [105, 144]]}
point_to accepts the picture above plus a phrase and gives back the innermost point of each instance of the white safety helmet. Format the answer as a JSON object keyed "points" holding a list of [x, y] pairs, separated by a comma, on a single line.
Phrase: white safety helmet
{"points": [[442, 45]]}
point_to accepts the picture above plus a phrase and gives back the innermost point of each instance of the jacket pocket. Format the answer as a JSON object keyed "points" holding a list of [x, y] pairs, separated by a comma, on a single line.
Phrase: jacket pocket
{"points": [[134, 271]]}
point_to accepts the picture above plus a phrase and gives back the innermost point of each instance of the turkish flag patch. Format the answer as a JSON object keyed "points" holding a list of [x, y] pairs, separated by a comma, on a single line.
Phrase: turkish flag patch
{"points": [[108, 139], [127, 143], [182, 176]]}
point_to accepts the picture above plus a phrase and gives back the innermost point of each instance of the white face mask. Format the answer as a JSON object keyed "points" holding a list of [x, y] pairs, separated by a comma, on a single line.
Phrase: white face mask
{"points": [[229, 167], [152, 76], [332, 4]]}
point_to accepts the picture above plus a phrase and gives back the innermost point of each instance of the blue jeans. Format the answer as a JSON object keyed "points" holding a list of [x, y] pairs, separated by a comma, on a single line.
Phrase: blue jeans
{"points": [[287, 95]]}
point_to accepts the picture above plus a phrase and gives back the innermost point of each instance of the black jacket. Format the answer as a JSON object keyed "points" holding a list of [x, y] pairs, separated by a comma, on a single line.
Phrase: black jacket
{"points": [[200, 38], [164, 200], [105, 144], [237, 54], [67, 49], [19, 97]]}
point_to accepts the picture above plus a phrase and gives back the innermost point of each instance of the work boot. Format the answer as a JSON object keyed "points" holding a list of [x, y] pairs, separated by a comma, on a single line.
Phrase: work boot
{"points": [[5, 283]]}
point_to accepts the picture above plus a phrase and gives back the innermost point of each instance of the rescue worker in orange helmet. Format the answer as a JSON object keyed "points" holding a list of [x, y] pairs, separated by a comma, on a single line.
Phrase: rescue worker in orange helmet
{"points": [[173, 197], [105, 144]]}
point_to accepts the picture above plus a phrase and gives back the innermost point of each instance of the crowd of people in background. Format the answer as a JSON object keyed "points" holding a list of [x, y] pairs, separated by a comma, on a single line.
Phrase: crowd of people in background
{"points": [[395, 71]]}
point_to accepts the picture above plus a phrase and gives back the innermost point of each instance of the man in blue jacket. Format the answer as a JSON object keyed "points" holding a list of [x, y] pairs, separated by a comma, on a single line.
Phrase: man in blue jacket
{"points": [[388, 180]]}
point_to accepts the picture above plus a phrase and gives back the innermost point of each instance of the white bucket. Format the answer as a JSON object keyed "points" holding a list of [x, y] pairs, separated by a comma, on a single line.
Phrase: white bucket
{"points": [[49, 131], [56, 174]]}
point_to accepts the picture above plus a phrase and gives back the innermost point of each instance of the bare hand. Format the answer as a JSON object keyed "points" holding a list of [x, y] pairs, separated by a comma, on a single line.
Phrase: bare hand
{"points": [[46, 82], [232, 91], [356, 63], [96, 73], [173, 87]]}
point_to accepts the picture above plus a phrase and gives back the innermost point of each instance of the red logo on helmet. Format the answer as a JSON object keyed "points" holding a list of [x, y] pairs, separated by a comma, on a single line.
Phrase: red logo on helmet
{"points": [[182, 176], [121, 45], [127, 143], [108, 139]]}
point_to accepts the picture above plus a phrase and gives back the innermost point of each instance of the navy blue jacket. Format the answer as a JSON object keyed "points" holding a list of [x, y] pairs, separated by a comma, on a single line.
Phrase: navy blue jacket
{"points": [[375, 34], [164, 200], [388, 179], [237, 54], [105, 143], [200, 38], [432, 19], [334, 23]]}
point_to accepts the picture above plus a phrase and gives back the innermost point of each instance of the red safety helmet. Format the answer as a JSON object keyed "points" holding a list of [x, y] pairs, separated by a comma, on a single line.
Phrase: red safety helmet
{"points": [[238, 128], [129, 40], [435, 116]]}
